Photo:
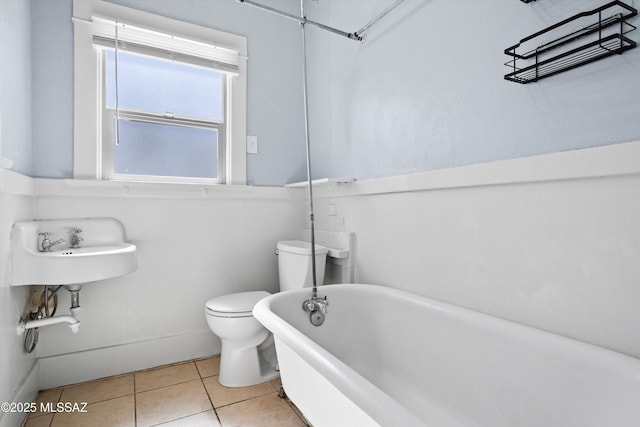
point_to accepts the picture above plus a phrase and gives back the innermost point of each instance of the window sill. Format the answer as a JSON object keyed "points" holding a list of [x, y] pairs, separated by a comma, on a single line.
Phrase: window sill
{"points": [[169, 190]]}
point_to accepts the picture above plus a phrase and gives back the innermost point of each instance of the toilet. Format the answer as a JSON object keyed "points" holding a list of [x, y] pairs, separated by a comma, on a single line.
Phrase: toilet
{"points": [[248, 356]]}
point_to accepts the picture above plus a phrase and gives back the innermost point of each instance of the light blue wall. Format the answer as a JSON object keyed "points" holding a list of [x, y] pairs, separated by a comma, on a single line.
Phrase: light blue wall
{"points": [[274, 104], [15, 84], [52, 96], [426, 90], [15, 145]]}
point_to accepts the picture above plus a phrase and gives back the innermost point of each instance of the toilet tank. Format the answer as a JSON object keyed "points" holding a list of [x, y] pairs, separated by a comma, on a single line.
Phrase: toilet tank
{"points": [[294, 264]]}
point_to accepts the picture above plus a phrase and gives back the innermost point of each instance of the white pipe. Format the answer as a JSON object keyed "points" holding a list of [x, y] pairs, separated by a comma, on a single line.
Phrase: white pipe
{"points": [[74, 323], [300, 19], [308, 146], [357, 35], [370, 24]]}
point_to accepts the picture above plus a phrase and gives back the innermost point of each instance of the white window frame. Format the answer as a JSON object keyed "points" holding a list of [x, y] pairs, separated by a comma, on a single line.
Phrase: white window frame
{"points": [[108, 115], [90, 146]]}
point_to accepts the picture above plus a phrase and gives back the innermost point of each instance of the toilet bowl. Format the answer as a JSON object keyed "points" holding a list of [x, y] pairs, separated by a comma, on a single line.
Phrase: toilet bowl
{"points": [[247, 355]]}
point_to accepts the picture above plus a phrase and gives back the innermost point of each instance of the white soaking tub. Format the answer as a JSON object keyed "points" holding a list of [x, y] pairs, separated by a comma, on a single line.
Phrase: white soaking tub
{"points": [[385, 357]]}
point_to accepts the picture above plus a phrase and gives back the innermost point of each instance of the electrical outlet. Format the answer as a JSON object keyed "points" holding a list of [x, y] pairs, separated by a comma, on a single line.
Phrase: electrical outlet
{"points": [[252, 144]]}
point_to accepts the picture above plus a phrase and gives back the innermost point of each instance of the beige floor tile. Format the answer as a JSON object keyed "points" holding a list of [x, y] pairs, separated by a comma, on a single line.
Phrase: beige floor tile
{"points": [[276, 384], [203, 419], [263, 411], [297, 411], [118, 412], [162, 377], [170, 403], [46, 396], [170, 396], [209, 367], [222, 396], [96, 391], [41, 421]]}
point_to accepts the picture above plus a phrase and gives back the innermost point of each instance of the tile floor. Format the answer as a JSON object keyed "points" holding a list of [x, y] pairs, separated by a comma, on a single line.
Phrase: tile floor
{"points": [[184, 394]]}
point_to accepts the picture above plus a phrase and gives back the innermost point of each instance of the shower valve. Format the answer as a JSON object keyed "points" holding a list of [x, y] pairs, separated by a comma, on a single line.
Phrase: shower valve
{"points": [[315, 304]]}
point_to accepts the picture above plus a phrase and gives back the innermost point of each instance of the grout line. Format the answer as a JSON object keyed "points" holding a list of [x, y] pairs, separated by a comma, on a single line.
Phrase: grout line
{"points": [[293, 407], [195, 361], [297, 411], [181, 418], [135, 409], [169, 385], [168, 365], [135, 401], [247, 399], [198, 370], [111, 398], [218, 417], [40, 414], [213, 408], [208, 395]]}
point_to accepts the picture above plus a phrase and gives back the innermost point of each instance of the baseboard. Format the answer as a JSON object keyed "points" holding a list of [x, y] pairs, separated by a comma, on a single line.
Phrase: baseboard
{"points": [[25, 394], [72, 368]]}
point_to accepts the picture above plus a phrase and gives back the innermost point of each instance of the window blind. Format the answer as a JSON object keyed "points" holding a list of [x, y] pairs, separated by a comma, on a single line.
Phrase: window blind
{"points": [[162, 45]]}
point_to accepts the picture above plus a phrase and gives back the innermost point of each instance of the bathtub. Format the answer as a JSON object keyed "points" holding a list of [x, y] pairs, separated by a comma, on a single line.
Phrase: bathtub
{"points": [[385, 357]]}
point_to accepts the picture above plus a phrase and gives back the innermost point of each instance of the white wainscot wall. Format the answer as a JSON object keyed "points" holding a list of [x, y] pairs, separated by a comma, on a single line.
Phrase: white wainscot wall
{"points": [[18, 370], [550, 241], [193, 244]]}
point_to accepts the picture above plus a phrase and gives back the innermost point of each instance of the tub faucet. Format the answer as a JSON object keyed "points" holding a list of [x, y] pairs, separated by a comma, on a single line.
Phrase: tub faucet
{"points": [[317, 309], [47, 244]]}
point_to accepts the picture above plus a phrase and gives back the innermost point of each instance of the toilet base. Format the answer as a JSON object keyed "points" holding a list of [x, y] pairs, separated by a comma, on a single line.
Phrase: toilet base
{"points": [[243, 367]]}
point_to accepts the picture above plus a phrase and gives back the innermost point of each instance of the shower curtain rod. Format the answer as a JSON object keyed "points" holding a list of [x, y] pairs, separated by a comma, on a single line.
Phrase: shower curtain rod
{"points": [[356, 35]]}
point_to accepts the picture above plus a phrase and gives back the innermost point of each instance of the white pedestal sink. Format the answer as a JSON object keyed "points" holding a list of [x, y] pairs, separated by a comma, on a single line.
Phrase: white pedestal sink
{"points": [[102, 253]]}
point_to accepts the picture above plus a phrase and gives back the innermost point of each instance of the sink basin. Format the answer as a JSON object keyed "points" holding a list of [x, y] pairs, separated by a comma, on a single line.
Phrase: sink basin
{"points": [[103, 252]]}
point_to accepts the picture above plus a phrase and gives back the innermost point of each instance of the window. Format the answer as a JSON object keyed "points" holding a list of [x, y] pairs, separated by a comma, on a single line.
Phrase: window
{"points": [[170, 106], [161, 118]]}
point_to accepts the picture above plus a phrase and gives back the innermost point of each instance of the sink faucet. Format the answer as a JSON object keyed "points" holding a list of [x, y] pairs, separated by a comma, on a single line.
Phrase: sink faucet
{"points": [[76, 237], [47, 244]]}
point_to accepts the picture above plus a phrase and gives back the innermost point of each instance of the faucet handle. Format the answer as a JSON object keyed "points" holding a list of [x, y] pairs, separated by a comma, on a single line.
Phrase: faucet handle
{"points": [[76, 236], [323, 304], [44, 245], [308, 305]]}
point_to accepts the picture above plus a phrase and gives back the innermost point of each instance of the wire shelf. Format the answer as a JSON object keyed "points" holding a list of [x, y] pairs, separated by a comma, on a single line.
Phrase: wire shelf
{"points": [[600, 38]]}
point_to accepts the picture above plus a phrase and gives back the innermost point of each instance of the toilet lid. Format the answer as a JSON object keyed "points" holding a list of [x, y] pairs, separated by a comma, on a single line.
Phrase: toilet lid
{"points": [[241, 302]]}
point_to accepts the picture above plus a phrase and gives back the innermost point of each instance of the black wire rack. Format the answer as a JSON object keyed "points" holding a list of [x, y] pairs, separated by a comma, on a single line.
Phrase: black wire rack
{"points": [[602, 33]]}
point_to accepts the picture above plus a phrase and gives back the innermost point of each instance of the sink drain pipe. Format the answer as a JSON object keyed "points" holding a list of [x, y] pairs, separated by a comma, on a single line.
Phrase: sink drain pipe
{"points": [[74, 323], [75, 300], [70, 319]]}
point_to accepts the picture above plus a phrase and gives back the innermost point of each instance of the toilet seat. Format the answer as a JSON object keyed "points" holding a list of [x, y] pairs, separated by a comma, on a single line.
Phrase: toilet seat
{"points": [[239, 304]]}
